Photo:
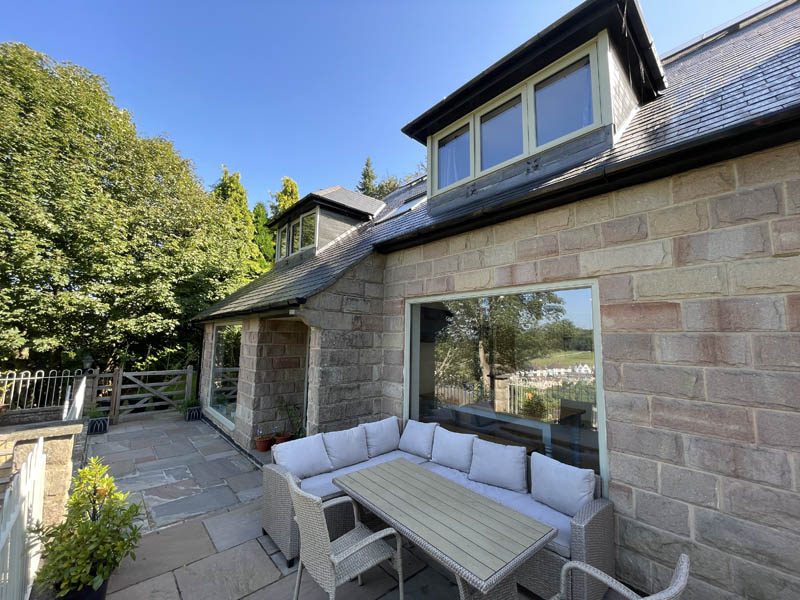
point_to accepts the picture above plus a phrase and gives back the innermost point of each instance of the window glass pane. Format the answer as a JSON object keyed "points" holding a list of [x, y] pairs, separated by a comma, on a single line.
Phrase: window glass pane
{"points": [[309, 229], [225, 370], [501, 133], [283, 241], [518, 369], [295, 240], [564, 102], [453, 159]]}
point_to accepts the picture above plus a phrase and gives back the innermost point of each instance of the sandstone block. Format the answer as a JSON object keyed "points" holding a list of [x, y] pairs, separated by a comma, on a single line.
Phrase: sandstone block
{"points": [[415, 288], [760, 583], [612, 375], [690, 486], [700, 183], [439, 285], [516, 229], [723, 245], [746, 206], [793, 312], [516, 274], [776, 351], [623, 231], [435, 249], [739, 461], [651, 542], [555, 219], [771, 165], [560, 268], [765, 276], [473, 280], [628, 347], [641, 316], [616, 288], [753, 542], [631, 408], [664, 513], [538, 247], [779, 429], [761, 504], [695, 281], [758, 313], [447, 264], [754, 388], [786, 235], [702, 349], [424, 269], [642, 198], [646, 442], [622, 497], [678, 220], [633, 470], [703, 418], [593, 210], [793, 197], [580, 238], [680, 382], [627, 258]]}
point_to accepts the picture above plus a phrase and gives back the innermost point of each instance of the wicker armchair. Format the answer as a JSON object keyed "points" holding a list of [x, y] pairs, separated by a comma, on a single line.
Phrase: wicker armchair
{"points": [[673, 592], [332, 563]]}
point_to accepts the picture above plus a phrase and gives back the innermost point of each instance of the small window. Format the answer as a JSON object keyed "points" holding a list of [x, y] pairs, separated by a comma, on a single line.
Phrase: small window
{"points": [[453, 157], [564, 102], [309, 232], [282, 242], [278, 244], [501, 133], [295, 239]]}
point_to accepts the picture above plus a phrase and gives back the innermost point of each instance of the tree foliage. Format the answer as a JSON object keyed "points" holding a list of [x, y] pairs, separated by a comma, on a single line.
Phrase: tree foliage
{"points": [[288, 196], [264, 237], [369, 185], [108, 242]]}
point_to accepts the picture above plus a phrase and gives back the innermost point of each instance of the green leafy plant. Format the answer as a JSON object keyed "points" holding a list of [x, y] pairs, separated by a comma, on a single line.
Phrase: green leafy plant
{"points": [[94, 412], [97, 534], [187, 403], [293, 416]]}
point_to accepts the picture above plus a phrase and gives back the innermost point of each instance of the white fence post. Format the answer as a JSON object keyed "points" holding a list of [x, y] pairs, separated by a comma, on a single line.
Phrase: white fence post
{"points": [[22, 508]]}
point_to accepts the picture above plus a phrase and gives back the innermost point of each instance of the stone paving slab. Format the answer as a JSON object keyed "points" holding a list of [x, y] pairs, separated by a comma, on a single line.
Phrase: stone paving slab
{"points": [[235, 527], [208, 500], [375, 584], [228, 575], [162, 587]]}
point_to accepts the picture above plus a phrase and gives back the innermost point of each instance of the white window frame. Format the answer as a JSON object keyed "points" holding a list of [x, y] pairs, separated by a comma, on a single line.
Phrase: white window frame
{"points": [[286, 231], [597, 50], [213, 414], [411, 336]]}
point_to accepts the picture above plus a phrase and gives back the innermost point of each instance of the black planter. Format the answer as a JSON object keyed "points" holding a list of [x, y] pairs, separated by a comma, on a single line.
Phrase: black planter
{"points": [[193, 413], [87, 593], [98, 425]]}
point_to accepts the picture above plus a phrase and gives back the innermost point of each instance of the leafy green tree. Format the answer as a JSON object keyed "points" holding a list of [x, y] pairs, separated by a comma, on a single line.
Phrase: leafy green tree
{"points": [[287, 197], [369, 185], [109, 243], [264, 236], [230, 192]]}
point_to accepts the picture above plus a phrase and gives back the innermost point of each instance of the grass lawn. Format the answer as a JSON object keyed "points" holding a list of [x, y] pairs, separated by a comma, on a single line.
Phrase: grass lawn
{"points": [[564, 359]]}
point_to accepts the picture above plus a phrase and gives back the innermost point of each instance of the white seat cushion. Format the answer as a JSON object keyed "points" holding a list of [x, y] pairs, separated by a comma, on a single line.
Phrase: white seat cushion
{"points": [[322, 485], [417, 438], [518, 501], [499, 464], [564, 487], [382, 436], [346, 447], [452, 449], [303, 458]]}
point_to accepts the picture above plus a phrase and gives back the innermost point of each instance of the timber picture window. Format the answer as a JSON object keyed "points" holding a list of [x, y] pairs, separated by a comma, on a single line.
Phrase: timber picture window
{"points": [[453, 157], [564, 102], [502, 133], [282, 244], [294, 239], [517, 368], [309, 229], [225, 370]]}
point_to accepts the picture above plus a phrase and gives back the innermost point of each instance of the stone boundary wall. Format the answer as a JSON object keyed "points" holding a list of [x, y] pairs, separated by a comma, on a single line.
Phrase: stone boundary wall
{"points": [[699, 278]]}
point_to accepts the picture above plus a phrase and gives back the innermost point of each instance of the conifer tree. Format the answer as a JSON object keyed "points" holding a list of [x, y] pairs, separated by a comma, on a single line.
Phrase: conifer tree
{"points": [[286, 198], [264, 237]]}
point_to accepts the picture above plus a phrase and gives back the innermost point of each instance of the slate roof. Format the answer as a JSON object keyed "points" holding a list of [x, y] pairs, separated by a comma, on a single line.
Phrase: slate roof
{"points": [[743, 76], [350, 199]]}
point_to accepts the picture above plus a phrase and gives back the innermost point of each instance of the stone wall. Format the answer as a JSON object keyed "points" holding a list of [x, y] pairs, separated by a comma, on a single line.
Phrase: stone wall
{"points": [[699, 278]]}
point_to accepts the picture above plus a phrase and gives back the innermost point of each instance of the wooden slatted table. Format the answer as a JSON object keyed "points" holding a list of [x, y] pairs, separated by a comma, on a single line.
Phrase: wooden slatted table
{"points": [[479, 540]]}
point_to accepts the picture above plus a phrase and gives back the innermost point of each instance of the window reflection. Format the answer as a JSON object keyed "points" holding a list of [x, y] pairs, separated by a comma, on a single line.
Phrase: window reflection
{"points": [[225, 370], [564, 102], [518, 368], [453, 160], [501, 133]]}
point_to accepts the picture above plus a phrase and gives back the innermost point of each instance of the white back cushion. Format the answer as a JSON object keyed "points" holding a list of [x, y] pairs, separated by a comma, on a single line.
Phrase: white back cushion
{"points": [[452, 450], [382, 436], [498, 464], [303, 458], [563, 487], [346, 447], [417, 438]]}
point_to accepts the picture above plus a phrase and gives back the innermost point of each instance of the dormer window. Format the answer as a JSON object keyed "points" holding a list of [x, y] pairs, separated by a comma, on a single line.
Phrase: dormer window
{"points": [[502, 133], [298, 235], [564, 102], [453, 158], [282, 242]]}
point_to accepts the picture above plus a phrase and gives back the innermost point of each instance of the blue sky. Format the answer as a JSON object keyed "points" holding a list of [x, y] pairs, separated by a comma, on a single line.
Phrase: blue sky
{"points": [[305, 89]]}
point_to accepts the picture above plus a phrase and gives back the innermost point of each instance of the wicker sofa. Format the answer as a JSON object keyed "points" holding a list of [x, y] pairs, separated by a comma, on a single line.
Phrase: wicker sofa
{"points": [[583, 519]]}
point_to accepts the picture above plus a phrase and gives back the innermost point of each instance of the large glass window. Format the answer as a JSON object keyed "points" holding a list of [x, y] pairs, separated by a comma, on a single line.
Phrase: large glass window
{"points": [[225, 370], [295, 237], [282, 249], [564, 102], [514, 368], [501, 133], [453, 157], [309, 229]]}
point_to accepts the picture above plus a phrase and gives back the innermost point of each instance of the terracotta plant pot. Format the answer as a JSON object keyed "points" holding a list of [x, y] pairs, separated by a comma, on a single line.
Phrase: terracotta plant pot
{"points": [[283, 437], [265, 443], [87, 593]]}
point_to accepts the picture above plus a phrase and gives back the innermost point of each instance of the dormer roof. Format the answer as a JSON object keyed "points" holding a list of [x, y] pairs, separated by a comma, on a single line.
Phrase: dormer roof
{"points": [[623, 21], [336, 198]]}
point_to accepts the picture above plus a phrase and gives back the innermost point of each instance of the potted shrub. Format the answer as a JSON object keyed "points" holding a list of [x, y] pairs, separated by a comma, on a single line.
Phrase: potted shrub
{"points": [[80, 554], [98, 420], [264, 440], [294, 420], [191, 409]]}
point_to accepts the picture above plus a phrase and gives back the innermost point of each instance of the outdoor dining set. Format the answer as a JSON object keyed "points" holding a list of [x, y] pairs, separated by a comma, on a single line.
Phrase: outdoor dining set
{"points": [[488, 513]]}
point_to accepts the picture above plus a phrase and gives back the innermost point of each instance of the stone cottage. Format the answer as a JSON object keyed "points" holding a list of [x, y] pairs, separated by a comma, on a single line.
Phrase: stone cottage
{"points": [[602, 265]]}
